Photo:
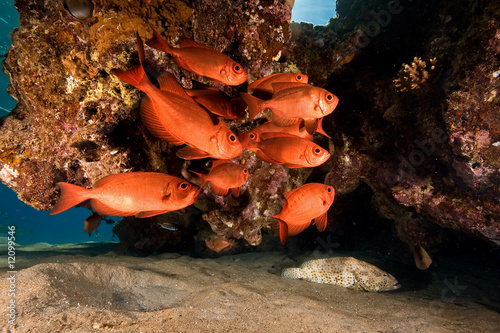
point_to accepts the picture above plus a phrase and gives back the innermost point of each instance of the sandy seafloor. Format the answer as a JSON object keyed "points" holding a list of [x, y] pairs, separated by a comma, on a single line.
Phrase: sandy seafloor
{"points": [[90, 288]]}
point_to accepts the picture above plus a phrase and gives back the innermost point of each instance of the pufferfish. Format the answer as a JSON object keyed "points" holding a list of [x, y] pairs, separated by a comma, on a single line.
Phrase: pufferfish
{"points": [[345, 272]]}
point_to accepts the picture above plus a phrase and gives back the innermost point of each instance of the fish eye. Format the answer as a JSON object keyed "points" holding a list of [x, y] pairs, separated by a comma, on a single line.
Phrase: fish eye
{"points": [[232, 138], [329, 190], [237, 68], [329, 98], [384, 275], [245, 171], [182, 186], [252, 136], [299, 77], [317, 150]]}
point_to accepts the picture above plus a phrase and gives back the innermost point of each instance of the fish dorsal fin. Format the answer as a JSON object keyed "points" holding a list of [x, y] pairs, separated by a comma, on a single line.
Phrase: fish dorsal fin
{"points": [[186, 42], [202, 86], [191, 153], [151, 213], [150, 118], [321, 222], [169, 83], [270, 135], [218, 190], [285, 122], [311, 125], [252, 86], [140, 48], [289, 193], [216, 163], [112, 178], [279, 86]]}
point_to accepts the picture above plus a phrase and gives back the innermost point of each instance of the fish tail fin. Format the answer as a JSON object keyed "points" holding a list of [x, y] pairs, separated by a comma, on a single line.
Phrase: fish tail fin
{"points": [[254, 104], [71, 195], [157, 42], [135, 76], [292, 273]]}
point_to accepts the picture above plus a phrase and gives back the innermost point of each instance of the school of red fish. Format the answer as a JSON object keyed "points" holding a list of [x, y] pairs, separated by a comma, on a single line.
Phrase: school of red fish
{"points": [[195, 118]]}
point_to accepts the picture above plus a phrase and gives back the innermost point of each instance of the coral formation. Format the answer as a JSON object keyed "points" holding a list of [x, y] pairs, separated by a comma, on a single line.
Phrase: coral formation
{"points": [[413, 76]]}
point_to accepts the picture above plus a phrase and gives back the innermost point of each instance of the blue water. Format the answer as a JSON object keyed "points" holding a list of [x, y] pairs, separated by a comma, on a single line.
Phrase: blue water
{"points": [[35, 226]]}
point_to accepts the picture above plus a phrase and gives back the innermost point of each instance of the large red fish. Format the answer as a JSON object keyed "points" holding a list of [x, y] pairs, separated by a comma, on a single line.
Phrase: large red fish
{"points": [[202, 60], [303, 206], [293, 103], [263, 87], [287, 149], [142, 194], [225, 176], [171, 114]]}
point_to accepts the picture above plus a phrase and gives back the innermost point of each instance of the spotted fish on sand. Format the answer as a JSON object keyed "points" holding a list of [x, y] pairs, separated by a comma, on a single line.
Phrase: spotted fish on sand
{"points": [[345, 272]]}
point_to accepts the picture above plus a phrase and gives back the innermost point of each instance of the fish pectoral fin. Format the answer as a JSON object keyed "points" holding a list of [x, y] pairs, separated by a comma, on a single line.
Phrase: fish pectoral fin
{"points": [[285, 122], [150, 118], [151, 213], [321, 222], [235, 191], [293, 166], [311, 125], [191, 153], [266, 158], [218, 190], [105, 210]]}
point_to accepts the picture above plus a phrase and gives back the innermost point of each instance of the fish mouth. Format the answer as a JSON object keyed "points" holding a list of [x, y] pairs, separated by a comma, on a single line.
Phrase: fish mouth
{"points": [[394, 286]]}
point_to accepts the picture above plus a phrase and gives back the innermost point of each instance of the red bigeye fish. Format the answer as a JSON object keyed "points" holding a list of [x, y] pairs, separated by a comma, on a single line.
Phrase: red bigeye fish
{"points": [[303, 206], [142, 194], [202, 60], [225, 176], [263, 88], [171, 114], [216, 102], [287, 149], [294, 103]]}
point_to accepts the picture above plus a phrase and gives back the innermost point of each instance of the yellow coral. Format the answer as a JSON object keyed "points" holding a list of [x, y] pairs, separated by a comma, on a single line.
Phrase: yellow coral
{"points": [[411, 77]]}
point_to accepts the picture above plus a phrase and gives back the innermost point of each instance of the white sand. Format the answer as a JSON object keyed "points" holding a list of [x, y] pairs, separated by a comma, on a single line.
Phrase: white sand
{"points": [[239, 293]]}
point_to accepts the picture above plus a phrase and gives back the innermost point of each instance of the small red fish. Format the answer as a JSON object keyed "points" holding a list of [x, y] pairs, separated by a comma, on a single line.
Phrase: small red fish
{"points": [[202, 60], [225, 176], [294, 103], [263, 87], [217, 243], [142, 194], [171, 114], [421, 257], [304, 205], [287, 149]]}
